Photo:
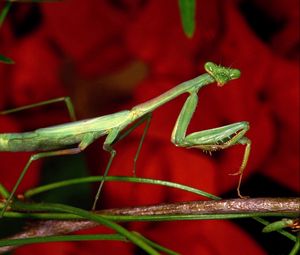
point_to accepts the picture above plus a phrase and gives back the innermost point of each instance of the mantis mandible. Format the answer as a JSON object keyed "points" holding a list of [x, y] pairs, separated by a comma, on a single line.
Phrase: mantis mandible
{"points": [[52, 141]]}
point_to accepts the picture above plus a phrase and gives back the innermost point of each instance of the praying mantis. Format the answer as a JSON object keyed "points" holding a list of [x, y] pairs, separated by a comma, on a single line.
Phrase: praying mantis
{"points": [[56, 140]]}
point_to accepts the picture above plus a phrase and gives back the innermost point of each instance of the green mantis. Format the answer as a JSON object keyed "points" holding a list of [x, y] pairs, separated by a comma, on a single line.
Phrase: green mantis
{"points": [[56, 140]]}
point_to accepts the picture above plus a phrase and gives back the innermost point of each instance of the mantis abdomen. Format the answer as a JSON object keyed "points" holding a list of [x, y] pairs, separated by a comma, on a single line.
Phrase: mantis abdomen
{"points": [[32, 141]]}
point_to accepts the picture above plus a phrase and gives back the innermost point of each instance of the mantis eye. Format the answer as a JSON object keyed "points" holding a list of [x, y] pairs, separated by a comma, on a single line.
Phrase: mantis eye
{"points": [[210, 67], [235, 73]]}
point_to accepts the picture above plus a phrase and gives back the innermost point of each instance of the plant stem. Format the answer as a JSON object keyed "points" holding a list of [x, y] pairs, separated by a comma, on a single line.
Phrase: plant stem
{"points": [[13, 243], [214, 209], [55, 185], [89, 216]]}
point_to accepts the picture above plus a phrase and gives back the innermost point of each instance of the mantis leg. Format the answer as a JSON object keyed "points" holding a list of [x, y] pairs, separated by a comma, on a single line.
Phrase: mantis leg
{"points": [[113, 137], [247, 142], [147, 117], [222, 138], [66, 100], [148, 120], [87, 140], [29, 162], [211, 139], [107, 146]]}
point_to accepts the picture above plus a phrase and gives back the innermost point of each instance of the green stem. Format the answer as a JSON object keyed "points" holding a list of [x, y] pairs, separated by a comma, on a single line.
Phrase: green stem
{"points": [[55, 185], [131, 218], [51, 186], [296, 247], [157, 246], [72, 238], [89, 216], [63, 238]]}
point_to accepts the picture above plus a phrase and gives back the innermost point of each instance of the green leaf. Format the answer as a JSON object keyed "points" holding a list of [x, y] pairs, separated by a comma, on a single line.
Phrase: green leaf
{"points": [[277, 225], [6, 60], [4, 12], [187, 13]]}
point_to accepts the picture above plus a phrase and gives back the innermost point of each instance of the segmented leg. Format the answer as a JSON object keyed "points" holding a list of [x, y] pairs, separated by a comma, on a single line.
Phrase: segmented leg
{"points": [[107, 146], [146, 118], [86, 140], [66, 100], [247, 142], [112, 138], [211, 139], [29, 162], [71, 111]]}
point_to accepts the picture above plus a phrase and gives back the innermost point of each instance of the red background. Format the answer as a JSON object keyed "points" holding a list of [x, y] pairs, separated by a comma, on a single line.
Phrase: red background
{"points": [[112, 55]]}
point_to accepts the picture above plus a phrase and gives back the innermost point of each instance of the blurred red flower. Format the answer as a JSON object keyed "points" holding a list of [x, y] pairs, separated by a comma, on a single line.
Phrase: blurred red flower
{"points": [[101, 37]]}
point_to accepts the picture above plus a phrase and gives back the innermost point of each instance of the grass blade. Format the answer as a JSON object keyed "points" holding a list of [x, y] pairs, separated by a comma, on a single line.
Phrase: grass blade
{"points": [[187, 14], [6, 60], [4, 12]]}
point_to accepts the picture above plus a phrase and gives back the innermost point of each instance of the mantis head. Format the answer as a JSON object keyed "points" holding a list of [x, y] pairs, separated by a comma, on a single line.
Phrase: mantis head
{"points": [[221, 74]]}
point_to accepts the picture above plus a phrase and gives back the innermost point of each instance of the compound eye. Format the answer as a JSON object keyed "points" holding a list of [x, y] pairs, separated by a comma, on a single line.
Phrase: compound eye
{"points": [[210, 67], [235, 73]]}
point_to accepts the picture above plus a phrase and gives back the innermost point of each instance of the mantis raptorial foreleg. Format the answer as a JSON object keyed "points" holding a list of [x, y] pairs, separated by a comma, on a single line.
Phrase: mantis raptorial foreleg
{"points": [[210, 139], [245, 141]]}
